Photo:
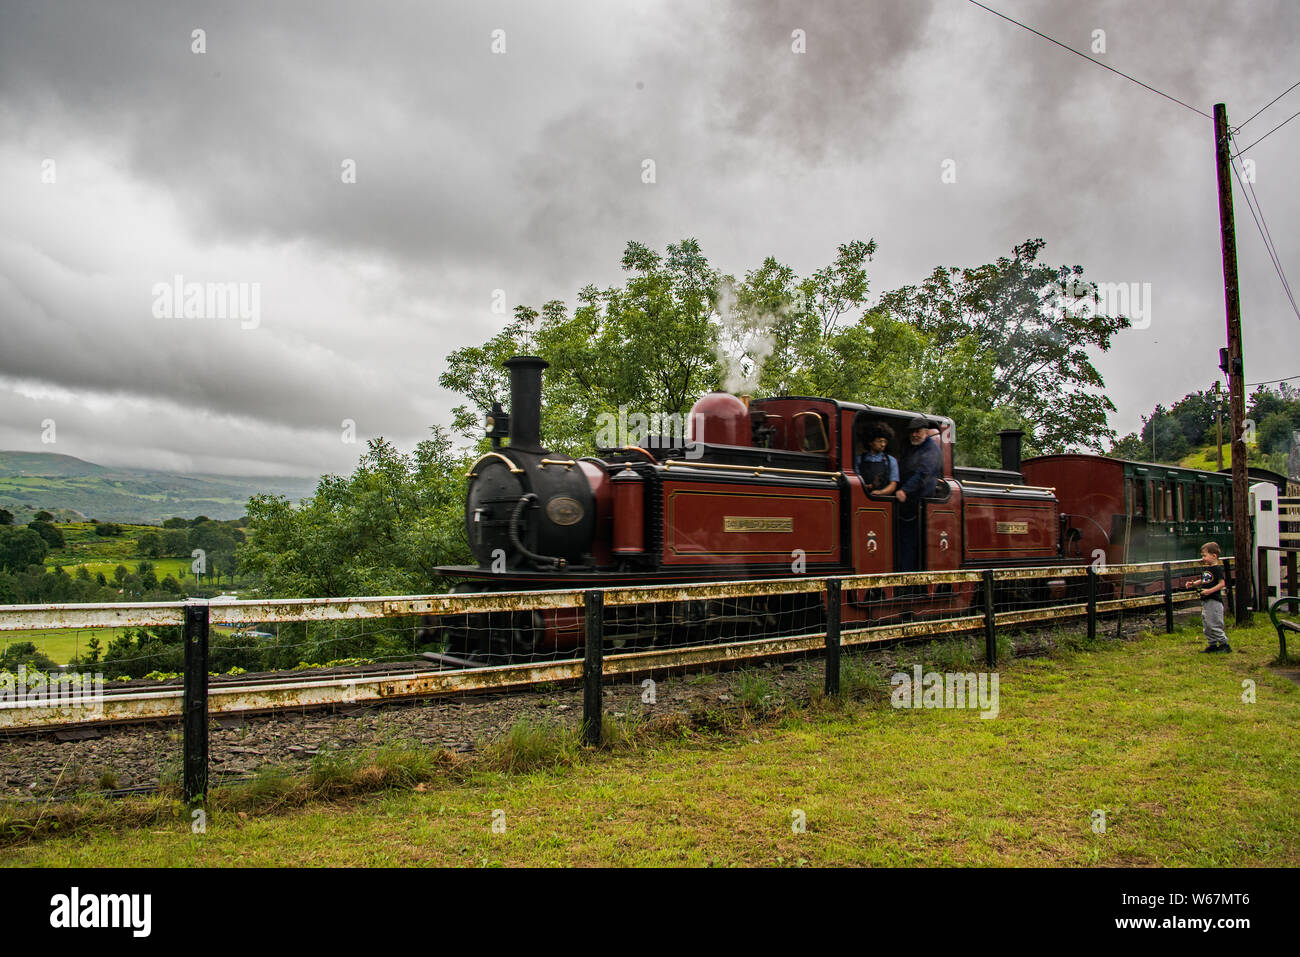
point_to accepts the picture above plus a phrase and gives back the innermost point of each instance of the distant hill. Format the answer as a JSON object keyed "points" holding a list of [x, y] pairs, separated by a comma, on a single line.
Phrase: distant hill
{"points": [[71, 488]]}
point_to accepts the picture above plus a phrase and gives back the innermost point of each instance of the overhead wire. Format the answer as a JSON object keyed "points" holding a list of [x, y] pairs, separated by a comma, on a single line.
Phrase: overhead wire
{"points": [[1270, 103], [1265, 136], [1104, 66], [1252, 203]]}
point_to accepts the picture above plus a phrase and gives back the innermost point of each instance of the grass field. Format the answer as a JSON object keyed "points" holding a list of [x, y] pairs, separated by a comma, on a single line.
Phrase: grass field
{"points": [[178, 568], [1151, 733], [62, 644]]}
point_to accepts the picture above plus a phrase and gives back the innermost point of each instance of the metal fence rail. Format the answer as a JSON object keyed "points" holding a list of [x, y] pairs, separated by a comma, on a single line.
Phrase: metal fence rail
{"points": [[198, 701]]}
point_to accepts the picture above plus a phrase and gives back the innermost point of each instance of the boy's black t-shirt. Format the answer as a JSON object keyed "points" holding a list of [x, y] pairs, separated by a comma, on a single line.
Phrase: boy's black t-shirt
{"points": [[1212, 575]]}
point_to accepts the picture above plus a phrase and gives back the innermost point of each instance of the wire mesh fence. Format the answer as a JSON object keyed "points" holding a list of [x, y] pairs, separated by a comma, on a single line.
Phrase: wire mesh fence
{"points": [[185, 696]]}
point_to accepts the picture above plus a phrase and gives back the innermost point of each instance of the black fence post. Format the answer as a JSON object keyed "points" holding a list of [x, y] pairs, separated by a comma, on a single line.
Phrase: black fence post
{"points": [[990, 621], [194, 707], [1092, 604], [1292, 582], [593, 664], [1169, 599], [833, 587]]}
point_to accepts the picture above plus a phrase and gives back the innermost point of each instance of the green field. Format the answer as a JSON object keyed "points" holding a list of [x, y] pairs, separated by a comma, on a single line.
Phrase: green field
{"points": [[59, 643], [1149, 732]]}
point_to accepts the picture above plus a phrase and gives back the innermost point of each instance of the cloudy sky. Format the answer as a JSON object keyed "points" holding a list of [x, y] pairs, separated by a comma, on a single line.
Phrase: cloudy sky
{"points": [[128, 159]]}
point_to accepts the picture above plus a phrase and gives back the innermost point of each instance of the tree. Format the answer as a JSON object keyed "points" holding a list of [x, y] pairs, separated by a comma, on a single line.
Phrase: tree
{"points": [[25, 654], [21, 547], [151, 544], [1032, 330], [382, 530], [53, 537], [176, 522], [176, 543], [43, 516], [649, 345], [6, 517], [119, 574], [108, 529]]}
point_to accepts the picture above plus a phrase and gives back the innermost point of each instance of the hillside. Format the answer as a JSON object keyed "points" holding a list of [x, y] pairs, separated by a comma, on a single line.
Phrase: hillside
{"points": [[70, 487]]}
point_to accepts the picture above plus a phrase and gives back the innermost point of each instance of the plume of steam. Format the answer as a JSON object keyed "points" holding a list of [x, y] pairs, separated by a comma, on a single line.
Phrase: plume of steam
{"points": [[746, 338]]}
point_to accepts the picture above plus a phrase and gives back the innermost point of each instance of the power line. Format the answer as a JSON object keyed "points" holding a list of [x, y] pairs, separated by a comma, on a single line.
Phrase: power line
{"points": [[1275, 381], [1266, 135], [1248, 193], [1271, 102], [1092, 60]]}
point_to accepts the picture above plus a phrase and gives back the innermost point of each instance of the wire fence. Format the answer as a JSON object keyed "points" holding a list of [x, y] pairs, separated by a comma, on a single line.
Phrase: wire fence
{"points": [[187, 695]]}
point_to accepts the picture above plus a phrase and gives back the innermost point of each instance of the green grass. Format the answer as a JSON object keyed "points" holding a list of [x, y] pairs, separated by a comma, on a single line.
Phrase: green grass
{"points": [[1151, 732], [178, 568], [59, 643], [62, 644]]}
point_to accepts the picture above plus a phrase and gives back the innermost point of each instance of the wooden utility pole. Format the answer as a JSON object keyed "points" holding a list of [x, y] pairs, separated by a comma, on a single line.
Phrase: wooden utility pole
{"points": [[1218, 425], [1236, 369]]}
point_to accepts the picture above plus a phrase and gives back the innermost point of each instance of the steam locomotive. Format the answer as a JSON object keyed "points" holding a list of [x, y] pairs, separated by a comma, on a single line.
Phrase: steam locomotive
{"points": [[758, 489]]}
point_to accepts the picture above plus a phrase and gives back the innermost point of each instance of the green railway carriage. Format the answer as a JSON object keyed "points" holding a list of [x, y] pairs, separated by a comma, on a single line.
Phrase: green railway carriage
{"points": [[1135, 511]]}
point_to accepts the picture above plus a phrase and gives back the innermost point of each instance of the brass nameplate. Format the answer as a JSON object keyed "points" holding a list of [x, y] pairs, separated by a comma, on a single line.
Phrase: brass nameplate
{"points": [[756, 523], [1013, 528]]}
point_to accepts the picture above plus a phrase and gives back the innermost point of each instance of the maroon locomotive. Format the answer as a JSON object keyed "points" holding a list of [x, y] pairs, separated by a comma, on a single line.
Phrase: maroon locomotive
{"points": [[764, 489]]}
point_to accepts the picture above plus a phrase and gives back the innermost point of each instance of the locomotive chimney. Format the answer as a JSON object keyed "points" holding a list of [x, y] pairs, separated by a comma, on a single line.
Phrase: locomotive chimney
{"points": [[1011, 439], [526, 402]]}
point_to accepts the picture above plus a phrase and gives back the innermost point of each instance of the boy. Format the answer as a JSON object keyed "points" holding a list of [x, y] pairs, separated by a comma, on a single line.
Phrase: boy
{"points": [[1212, 584], [878, 469]]}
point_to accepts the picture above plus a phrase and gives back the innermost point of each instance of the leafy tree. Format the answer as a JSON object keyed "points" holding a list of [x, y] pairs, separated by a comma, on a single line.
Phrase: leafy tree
{"points": [[43, 516], [1037, 349], [108, 529], [382, 530], [176, 522], [53, 537], [119, 574], [25, 653], [6, 517], [176, 542], [20, 547], [151, 544], [649, 344]]}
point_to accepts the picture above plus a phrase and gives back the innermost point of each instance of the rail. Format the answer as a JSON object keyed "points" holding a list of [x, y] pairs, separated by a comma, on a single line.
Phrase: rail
{"points": [[197, 700]]}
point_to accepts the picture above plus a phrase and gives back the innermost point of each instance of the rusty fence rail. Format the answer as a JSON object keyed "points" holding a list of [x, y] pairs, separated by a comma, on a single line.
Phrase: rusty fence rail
{"points": [[197, 701]]}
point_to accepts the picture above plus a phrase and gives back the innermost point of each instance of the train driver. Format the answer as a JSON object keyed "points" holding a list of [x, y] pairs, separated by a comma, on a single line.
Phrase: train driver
{"points": [[921, 466], [877, 468]]}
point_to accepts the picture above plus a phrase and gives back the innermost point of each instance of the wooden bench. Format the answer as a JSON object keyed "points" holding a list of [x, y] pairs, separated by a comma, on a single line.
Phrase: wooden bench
{"points": [[1283, 625]]}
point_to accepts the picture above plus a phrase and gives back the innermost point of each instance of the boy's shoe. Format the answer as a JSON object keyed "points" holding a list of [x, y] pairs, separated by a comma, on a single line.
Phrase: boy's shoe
{"points": [[1224, 646], [1208, 648]]}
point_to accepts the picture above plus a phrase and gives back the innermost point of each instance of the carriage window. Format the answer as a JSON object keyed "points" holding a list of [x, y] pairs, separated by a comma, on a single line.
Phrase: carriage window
{"points": [[1158, 501], [1137, 500]]}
